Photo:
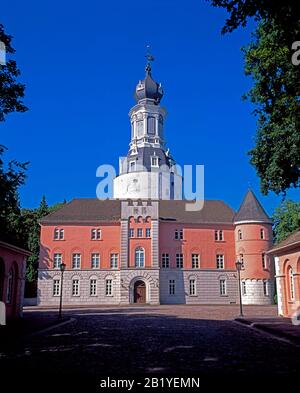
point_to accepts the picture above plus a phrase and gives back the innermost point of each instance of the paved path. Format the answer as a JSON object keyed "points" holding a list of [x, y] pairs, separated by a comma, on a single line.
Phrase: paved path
{"points": [[176, 341]]}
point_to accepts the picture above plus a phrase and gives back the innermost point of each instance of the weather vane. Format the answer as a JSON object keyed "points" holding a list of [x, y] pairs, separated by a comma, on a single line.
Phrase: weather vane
{"points": [[149, 58]]}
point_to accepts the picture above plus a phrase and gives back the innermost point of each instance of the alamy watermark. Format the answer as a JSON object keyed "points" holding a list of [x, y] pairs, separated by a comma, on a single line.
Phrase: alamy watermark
{"points": [[296, 54], [177, 182]]}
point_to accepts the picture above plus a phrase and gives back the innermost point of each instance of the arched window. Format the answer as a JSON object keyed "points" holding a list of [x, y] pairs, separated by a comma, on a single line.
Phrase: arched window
{"points": [[139, 257], [292, 286]]}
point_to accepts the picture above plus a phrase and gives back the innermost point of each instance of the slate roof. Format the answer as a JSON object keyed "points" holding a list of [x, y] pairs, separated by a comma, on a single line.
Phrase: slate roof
{"points": [[251, 210], [109, 210], [291, 240]]}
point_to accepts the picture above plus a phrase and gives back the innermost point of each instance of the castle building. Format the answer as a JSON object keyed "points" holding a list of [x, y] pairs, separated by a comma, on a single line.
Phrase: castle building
{"points": [[143, 245]]}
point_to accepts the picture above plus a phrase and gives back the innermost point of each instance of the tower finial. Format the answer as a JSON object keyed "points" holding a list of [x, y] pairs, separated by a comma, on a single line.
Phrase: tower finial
{"points": [[150, 58]]}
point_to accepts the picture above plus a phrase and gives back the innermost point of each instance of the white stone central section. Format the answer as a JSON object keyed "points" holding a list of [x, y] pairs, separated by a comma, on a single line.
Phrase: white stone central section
{"points": [[145, 185]]}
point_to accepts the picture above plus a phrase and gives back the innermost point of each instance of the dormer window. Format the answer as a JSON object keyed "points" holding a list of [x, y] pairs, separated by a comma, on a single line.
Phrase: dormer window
{"points": [[154, 161], [59, 234]]}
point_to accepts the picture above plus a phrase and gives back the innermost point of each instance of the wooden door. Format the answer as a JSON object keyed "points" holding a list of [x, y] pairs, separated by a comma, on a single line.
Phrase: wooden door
{"points": [[140, 292]]}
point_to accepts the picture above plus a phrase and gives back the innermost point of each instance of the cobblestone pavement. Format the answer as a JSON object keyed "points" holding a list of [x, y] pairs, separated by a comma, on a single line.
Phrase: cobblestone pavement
{"points": [[147, 341]]}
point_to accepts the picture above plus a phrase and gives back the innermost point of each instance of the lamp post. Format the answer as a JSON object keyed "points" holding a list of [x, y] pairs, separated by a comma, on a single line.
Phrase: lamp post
{"points": [[62, 269], [239, 265]]}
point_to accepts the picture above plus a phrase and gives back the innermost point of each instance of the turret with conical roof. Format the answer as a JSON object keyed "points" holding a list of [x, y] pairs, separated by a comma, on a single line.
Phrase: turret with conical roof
{"points": [[253, 238], [251, 210]]}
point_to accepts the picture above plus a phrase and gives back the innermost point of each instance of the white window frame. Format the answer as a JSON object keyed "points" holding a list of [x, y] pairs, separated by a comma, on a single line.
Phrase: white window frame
{"points": [[59, 234], [165, 260], [95, 260], [76, 257], [219, 235], [192, 287], [292, 284], [114, 260], [156, 159], [195, 261], [139, 257], [179, 260], [223, 287], [93, 287], [172, 287], [57, 260], [240, 234], [131, 232], [108, 287], [220, 261], [266, 287], [244, 288], [148, 232], [75, 287], [140, 232], [262, 234], [96, 234], [56, 287]]}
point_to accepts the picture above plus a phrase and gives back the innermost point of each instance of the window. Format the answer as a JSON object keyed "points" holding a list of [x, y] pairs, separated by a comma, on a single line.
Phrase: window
{"points": [[57, 260], [244, 289], [139, 257], [59, 234], [131, 232], [219, 235], [242, 260], [264, 261], [93, 287], [240, 235], [132, 166], [76, 261], [262, 233], [114, 261], [154, 161], [195, 261], [266, 287], [140, 232], [96, 234], [220, 261], [95, 261], [192, 287], [179, 261], [10, 285], [75, 287], [171, 287], [56, 287], [165, 261], [222, 287], [148, 232], [292, 286], [178, 234], [108, 287]]}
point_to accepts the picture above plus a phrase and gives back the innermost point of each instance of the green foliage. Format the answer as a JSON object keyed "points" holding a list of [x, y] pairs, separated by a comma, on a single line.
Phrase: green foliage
{"points": [[11, 91], [276, 92], [276, 87], [286, 219], [12, 177]]}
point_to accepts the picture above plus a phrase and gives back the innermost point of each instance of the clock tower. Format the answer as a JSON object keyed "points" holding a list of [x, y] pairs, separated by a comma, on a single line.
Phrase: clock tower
{"points": [[148, 170]]}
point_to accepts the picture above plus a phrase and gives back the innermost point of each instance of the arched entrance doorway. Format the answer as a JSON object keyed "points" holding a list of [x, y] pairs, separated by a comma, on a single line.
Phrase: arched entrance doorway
{"points": [[139, 292]]}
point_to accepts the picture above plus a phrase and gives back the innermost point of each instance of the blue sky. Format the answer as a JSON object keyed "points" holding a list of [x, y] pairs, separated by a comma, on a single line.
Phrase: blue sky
{"points": [[81, 60]]}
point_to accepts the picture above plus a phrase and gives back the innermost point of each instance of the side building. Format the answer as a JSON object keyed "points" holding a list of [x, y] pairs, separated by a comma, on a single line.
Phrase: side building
{"points": [[154, 252]]}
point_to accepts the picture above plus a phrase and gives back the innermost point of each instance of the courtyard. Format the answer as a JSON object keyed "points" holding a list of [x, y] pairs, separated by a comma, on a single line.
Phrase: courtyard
{"points": [[89, 345]]}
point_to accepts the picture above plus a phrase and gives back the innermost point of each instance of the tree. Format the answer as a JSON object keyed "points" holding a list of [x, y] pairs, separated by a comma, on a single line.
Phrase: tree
{"points": [[276, 87], [11, 91], [11, 178], [286, 219]]}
